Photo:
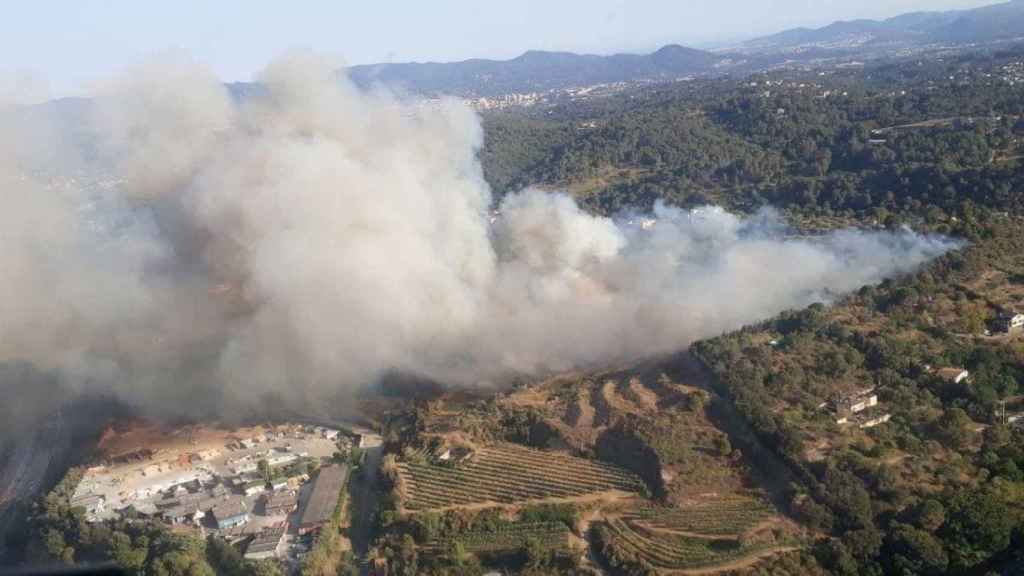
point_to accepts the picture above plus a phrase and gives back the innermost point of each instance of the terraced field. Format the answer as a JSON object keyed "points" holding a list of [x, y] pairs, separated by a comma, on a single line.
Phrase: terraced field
{"points": [[551, 535], [702, 535], [507, 474], [675, 552], [727, 516]]}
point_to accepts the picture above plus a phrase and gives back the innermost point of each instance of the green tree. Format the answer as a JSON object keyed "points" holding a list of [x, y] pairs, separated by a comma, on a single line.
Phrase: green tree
{"points": [[130, 558], [537, 555], [54, 542], [224, 558], [912, 551], [978, 525], [722, 445], [849, 498], [954, 428], [263, 568], [997, 436], [408, 558], [180, 563], [930, 515], [456, 554], [864, 543], [426, 526], [817, 517], [355, 456]]}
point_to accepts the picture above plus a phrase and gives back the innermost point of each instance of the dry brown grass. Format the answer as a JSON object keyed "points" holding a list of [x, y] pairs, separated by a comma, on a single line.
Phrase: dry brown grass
{"points": [[137, 435], [641, 395]]}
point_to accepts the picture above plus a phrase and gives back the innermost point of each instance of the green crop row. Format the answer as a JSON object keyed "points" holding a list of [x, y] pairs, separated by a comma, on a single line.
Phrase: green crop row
{"points": [[507, 475], [677, 552], [552, 535]]}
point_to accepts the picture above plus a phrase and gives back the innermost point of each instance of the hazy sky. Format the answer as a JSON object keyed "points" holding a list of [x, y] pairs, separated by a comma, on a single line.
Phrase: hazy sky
{"points": [[50, 47]]}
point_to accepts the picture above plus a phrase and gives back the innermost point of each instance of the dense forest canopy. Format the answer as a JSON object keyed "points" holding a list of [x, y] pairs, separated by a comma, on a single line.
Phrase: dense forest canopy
{"points": [[932, 144], [887, 139]]}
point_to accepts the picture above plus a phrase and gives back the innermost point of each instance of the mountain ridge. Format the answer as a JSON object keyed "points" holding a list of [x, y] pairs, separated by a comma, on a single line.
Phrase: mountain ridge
{"points": [[537, 71], [534, 71], [983, 24]]}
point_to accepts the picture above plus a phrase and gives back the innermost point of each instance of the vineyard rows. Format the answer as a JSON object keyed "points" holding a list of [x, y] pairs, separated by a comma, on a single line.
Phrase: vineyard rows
{"points": [[676, 552], [724, 517], [509, 474], [552, 535]]}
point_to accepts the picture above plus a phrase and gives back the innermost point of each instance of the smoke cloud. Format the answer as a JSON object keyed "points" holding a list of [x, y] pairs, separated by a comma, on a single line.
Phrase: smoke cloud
{"points": [[205, 251]]}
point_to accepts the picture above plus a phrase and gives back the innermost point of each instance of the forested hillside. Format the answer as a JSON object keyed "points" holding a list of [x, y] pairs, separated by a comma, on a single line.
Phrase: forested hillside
{"points": [[898, 139], [928, 479], [938, 488]]}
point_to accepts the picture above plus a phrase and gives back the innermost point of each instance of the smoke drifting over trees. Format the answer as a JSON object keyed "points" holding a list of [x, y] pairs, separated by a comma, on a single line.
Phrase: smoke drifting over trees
{"points": [[313, 237]]}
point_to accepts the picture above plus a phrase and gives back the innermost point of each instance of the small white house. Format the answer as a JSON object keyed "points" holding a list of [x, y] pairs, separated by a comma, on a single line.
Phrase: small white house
{"points": [[230, 513], [254, 488], [850, 404], [280, 459], [864, 403], [94, 504], [244, 467], [872, 422], [184, 515], [1010, 322]]}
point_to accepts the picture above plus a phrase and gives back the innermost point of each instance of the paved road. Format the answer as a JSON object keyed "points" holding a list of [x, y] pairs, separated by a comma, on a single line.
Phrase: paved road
{"points": [[365, 496]]}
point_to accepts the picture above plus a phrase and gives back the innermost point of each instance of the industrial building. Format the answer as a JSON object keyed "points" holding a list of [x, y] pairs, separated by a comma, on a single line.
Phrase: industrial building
{"points": [[182, 484], [268, 544], [230, 513], [254, 487], [185, 514], [324, 498], [280, 503]]}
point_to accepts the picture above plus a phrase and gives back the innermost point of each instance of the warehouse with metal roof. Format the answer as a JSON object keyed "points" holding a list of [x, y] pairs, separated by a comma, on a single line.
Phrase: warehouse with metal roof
{"points": [[324, 498]]}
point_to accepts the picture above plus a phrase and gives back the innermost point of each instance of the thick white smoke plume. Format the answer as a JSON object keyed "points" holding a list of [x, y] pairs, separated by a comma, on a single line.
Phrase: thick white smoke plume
{"points": [[312, 237]]}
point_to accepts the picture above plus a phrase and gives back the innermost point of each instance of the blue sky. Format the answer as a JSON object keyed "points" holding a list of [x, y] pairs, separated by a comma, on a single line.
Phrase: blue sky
{"points": [[56, 48]]}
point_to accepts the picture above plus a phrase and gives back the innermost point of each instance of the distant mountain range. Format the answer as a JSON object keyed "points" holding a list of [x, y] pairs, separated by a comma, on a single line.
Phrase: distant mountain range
{"points": [[538, 71], [980, 25], [535, 71]]}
